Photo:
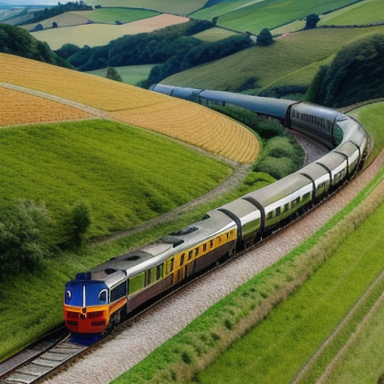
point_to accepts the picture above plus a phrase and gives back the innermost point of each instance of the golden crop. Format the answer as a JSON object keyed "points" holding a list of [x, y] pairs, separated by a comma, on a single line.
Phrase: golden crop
{"points": [[22, 108], [180, 119]]}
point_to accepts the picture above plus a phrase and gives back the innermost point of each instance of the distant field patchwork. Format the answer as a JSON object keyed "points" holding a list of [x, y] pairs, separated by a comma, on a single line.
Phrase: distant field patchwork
{"points": [[101, 34], [185, 121]]}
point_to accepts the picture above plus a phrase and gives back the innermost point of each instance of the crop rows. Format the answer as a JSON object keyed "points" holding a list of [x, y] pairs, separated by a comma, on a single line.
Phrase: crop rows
{"points": [[176, 118], [22, 108]]}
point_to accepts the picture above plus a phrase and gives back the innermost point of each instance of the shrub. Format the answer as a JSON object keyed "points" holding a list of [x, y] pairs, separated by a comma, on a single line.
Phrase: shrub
{"points": [[21, 227], [81, 220]]}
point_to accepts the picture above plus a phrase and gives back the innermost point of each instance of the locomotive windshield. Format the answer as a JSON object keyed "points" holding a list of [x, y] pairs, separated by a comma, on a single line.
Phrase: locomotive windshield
{"points": [[84, 294]]}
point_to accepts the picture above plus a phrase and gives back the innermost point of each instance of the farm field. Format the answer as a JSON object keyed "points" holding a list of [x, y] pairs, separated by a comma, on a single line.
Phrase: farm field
{"points": [[293, 59], [111, 15], [130, 74], [243, 18], [214, 34], [180, 7], [39, 109], [135, 106], [101, 34], [365, 12], [68, 19]]}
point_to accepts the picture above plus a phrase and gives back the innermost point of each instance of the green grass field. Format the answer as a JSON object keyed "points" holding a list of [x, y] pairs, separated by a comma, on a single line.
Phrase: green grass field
{"points": [[130, 74], [109, 165], [214, 34], [111, 15], [270, 13], [179, 7], [361, 13], [294, 59]]}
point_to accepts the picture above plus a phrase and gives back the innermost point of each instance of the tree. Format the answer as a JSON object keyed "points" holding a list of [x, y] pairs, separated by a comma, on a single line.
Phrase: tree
{"points": [[311, 21], [112, 74], [22, 224], [81, 221], [265, 38]]}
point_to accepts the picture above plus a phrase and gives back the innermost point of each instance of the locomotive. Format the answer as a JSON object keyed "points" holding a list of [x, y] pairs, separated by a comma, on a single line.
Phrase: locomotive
{"points": [[100, 298]]}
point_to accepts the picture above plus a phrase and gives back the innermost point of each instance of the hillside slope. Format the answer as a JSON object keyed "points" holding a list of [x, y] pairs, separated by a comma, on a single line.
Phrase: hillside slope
{"points": [[185, 121]]}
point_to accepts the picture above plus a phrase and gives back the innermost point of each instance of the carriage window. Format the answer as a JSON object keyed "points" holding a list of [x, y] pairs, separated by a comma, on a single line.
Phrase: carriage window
{"points": [[286, 207], [190, 255], [205, 247], [159, 271], [148, 277], [278, 211], [169, 265], [119, 291], [136, 283], [212, 243], [182, 259], [197, 251]]}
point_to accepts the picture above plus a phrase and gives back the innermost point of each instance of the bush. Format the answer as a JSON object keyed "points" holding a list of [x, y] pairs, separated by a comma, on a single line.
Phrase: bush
{"points": [[265, 38], [21, 242], [81, 220]]}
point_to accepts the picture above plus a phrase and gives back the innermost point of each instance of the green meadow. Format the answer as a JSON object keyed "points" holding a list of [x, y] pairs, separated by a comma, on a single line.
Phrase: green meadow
{"points": [[361, 13], [291, 60], [109, 166], [123, 15], [132, 74], [179, 7]]}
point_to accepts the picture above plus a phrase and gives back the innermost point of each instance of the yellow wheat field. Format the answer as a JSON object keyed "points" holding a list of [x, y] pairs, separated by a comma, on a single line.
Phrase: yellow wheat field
{"points": [[22, 108], [180, 119]]}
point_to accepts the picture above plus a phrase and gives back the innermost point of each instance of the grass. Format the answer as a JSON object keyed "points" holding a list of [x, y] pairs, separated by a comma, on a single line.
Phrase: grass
{"points": [[180, 7], [110, 165], [132, 74], [111, 15], [295, 57], [214, 34], [270, 13], [361, 13]]}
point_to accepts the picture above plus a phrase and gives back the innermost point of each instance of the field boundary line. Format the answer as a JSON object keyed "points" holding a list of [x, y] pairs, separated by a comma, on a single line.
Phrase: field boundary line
{"points": [[83, 107]]}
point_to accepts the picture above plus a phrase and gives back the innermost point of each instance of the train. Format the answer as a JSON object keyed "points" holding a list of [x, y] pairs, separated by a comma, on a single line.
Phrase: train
{"points": [[97, 300]]}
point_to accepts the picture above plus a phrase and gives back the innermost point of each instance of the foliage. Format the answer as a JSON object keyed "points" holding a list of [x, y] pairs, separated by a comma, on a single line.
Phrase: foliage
{"points": [[362, 61], [311, 21], [17, 41], [264, 38], [21, 242], [197, 55], [143, 48], [112, 74], [81, 221]]}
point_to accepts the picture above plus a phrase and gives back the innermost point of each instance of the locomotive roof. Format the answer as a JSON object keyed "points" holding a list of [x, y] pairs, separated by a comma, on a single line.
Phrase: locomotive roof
{"points": [[153, 254]]}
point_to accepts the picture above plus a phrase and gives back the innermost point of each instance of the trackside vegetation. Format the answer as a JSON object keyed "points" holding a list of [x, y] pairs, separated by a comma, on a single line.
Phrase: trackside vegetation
{"points": [[327, 257]]}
